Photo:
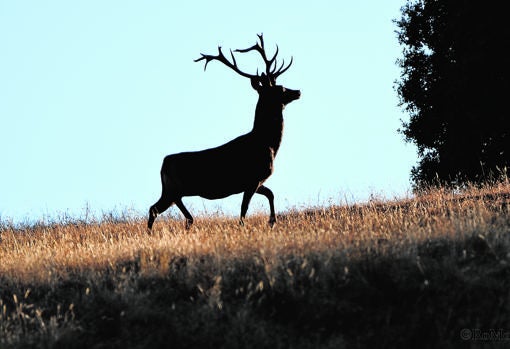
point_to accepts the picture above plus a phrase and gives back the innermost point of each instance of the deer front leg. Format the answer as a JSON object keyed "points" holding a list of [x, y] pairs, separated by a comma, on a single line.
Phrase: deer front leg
{"points": [[185, 212], [248, 194], [263, 190]]}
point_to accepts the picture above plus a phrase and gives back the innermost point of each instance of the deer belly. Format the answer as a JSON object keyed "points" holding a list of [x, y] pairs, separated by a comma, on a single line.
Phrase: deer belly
{"points": [[218, 184], [214, 177]]}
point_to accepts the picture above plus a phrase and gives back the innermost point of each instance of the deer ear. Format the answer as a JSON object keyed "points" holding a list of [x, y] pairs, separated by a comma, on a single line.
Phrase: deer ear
{"points": [[267, 80], [256, 84]]}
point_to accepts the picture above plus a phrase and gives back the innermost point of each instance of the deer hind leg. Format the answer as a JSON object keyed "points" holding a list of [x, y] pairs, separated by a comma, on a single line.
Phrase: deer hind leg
{"points": [[270, 196], [159, 207], [185, 212]]}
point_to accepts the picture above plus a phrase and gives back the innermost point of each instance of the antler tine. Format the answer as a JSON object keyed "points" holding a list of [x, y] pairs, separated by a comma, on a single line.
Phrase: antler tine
{"points": [[261, 38], [233, 58], [280, 71], [259, 47], [256, 47], [273, 60], [275, 70], [221, 57]]}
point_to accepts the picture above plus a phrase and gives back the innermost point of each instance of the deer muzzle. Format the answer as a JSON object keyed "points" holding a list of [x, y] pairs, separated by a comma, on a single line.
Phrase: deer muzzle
{"points": [[291, 95]]}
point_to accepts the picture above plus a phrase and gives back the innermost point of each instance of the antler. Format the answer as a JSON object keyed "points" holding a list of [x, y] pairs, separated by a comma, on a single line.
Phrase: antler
{"points": [[259, 47], [271, 64], [221, 57]]}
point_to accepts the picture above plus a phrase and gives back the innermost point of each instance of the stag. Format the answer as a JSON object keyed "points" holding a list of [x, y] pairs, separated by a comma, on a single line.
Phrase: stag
{"points": [[241, 165]]}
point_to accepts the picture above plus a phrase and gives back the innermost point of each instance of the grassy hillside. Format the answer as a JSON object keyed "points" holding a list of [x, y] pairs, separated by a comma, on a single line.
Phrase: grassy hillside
{"points": [[431, 271]]}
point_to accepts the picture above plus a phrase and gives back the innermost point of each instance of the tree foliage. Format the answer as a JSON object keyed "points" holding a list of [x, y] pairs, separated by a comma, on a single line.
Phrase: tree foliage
{"points": [[455, 87]]}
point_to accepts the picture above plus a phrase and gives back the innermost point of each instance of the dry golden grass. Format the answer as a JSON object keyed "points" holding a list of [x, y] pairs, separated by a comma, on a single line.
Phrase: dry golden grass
{"points": [[309, 246], [41, 253]]}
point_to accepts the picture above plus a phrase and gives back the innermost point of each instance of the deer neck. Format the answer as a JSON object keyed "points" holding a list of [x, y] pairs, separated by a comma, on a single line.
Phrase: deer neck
{"points": [[268, 126]]}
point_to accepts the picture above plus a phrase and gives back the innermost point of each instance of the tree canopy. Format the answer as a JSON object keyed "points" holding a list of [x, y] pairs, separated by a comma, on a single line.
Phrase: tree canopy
{"points": [[455, 84]]}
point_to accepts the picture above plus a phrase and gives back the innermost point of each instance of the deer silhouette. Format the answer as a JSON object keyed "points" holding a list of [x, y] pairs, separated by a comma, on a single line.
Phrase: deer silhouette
{"points": [[241, 165]]}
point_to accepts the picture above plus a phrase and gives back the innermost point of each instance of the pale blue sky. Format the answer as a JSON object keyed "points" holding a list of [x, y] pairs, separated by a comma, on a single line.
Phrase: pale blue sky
{"points": [[93, 95]]}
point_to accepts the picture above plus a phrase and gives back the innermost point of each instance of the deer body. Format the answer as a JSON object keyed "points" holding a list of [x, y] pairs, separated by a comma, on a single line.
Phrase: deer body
{"points": [[218, 172], [239, 166]]}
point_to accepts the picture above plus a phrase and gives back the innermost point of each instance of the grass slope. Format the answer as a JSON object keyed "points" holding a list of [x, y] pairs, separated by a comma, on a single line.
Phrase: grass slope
{"points": [[431, 271]]}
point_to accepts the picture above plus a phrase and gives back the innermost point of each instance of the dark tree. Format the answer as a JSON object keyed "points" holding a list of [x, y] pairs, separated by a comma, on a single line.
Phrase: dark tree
{"points": [[455, 84]]}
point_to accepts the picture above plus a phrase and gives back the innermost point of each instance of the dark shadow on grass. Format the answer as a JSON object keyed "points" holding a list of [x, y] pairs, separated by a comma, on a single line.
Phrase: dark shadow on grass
{"points": [[382, 299]]}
